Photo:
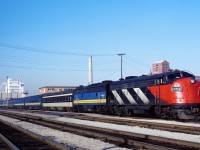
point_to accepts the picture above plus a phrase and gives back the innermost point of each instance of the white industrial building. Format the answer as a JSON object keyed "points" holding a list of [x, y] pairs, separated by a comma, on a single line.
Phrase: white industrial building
{"points": [[12, 89]]}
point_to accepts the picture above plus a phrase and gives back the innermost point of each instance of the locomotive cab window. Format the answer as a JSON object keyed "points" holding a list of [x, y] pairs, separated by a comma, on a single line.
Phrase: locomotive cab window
{"points": [[160, 81]]}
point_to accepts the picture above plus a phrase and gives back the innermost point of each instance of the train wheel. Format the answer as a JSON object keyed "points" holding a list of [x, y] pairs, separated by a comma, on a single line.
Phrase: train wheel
{"points": [[130, 112]]}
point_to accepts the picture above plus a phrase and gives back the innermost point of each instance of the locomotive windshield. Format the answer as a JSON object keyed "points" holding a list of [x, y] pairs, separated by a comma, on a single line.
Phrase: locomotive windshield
{"points": [[178, 74]]}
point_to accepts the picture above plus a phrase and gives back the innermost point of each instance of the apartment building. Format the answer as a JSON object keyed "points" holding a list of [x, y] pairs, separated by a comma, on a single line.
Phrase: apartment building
{"points": [[160, 67]]}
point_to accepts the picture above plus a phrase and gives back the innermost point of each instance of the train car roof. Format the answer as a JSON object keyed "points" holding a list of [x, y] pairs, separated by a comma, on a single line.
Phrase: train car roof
{"points": [[146, 80], [58, 93], [32, 96], [92, 88]]}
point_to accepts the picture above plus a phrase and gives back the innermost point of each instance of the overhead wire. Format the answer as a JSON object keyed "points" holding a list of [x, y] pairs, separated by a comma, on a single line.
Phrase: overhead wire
{"points": [[134, 60], [30, 60], [25, 48], [36, 68], [51, 62]]}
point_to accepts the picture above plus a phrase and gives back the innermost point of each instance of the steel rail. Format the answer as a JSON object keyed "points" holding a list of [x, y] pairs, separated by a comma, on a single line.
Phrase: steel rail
{"points": [[53, 144], [151, 125], [10, 144], [120, 121], [116, 136]]}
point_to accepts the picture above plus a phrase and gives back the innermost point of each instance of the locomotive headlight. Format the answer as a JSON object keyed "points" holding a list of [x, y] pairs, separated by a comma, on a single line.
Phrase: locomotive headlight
{"points": [[192, 80]]}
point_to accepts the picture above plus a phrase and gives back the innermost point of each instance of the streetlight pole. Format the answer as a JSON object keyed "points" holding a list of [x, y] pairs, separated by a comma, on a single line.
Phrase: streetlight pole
{"points": [[121, 63]]}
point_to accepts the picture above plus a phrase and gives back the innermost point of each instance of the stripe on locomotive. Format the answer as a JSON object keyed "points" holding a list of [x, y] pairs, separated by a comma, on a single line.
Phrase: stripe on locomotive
{"points": [[91, 101], [142, 95], [133, 96]]}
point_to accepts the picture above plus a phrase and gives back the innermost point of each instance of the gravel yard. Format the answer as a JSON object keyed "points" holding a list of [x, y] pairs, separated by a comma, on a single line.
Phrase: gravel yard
{"points": [[73, 140], [135, 129]]}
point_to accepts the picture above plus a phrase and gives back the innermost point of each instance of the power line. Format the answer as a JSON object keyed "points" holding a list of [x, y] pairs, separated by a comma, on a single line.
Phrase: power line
{"points": [[133, 60], [50, 62], [30, 49], [36, 68]]}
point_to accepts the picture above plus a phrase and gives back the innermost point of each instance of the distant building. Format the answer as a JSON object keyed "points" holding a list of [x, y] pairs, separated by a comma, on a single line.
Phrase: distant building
{"points": [[160, 67], [12, 89], [51, 89]]}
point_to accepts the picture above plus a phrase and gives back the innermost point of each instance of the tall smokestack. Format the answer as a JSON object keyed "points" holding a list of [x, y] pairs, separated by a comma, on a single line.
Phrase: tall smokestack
{"points": [[90, 71]]}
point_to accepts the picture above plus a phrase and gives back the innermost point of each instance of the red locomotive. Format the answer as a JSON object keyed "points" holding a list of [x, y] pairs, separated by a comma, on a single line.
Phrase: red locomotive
{"points": [[179, 95], [174, 94]]}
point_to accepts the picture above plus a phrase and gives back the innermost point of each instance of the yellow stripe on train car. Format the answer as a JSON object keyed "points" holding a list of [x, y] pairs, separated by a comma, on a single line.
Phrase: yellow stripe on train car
{"points": [[90, 101], [37, 103], [19, 104]]}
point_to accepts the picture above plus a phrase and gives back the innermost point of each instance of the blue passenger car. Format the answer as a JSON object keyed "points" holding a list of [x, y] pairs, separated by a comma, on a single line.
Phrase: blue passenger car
{"points": [[11, 103], [3, 103], [19, 103], [92, 98], [33, 102]]}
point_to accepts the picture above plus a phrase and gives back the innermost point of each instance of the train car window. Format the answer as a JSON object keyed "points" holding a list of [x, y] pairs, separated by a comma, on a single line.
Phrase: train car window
{"points": [[162, 80], [157, 81]]}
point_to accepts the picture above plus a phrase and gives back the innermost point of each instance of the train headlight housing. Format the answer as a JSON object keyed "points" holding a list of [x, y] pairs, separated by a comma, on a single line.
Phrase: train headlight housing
{"points": [[177, 89], [192, 80]]}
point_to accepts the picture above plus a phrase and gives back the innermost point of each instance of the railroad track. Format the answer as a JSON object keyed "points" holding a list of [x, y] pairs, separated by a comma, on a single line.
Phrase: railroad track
{"points": [[120, 138], [5, 143], [16, 138], [151, 125]]}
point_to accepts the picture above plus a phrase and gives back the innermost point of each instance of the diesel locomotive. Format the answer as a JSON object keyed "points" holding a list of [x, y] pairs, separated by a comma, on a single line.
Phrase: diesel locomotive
{"points": [[174, 94]]}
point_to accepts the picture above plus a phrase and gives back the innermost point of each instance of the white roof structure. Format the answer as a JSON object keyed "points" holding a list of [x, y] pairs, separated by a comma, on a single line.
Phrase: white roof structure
{"points": [[159, 61]]}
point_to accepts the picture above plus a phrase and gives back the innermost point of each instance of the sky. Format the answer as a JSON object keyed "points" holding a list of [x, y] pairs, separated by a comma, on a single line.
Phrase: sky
{"points": [[48, 42]]}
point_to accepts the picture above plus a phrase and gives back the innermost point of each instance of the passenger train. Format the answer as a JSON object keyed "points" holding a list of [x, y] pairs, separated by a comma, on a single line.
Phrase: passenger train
{"points": [[174, 94]]}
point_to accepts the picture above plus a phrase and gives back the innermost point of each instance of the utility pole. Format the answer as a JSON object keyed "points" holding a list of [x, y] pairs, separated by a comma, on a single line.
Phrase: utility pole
{"points": [[121, 64]]}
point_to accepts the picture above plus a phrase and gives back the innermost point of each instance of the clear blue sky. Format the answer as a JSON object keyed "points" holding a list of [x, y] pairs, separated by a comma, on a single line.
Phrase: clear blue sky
{"points": [[146, 30]]}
